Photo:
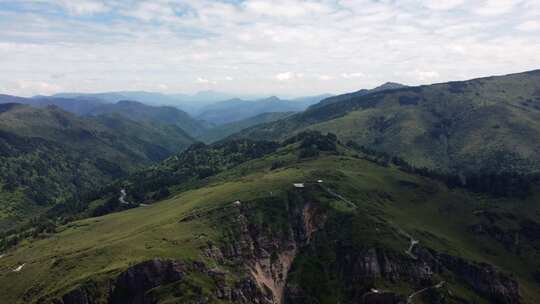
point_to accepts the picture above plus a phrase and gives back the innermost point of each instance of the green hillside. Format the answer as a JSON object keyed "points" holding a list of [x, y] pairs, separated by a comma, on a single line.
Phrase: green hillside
{"points": [[486, 124], [222, 131], [137, 111], [245, 234], [50, 157], [115, 104]]}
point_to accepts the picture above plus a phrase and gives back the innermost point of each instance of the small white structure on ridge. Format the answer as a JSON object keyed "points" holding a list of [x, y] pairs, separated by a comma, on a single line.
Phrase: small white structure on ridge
{"points": [[299, 185]]}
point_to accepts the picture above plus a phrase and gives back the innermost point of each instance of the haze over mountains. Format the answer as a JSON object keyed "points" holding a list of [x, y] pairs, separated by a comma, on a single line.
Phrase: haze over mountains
{"points": [[427, 193], [189, 103], [270, 152], [237, 109], [207, 110]]}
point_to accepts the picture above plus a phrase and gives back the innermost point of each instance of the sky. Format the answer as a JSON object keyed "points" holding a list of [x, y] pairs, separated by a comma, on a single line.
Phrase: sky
{"points": [[278, 47]]}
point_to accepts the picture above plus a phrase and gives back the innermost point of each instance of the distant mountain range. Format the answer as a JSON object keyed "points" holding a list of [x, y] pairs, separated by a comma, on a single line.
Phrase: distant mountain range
{"points": [[144, 107], [237, 109], [92, 106], [192, 104]]}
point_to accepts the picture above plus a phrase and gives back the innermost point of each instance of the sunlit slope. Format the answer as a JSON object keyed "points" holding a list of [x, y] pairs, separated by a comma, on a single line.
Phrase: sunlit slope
{"points": [[358, 203], [476, 125]]}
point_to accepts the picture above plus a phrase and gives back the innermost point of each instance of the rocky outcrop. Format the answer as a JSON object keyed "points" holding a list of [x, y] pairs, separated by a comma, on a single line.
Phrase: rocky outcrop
{"points": [[374, 263], [132, 285], [77, 296], [517, 236], [483, 278], [359, 272], [263, 253], [268, 256]]}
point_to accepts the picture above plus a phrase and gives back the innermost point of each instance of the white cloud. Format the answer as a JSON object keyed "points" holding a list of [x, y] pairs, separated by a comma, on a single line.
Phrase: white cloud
{"points": [[352, 75], [148, 11], [286, 8], [325, 77], [286, 76], [203, 80], [443, 4], [83, 7], [262, 44], [423, 76], [529, 26], [32, 87], [495, 7]]}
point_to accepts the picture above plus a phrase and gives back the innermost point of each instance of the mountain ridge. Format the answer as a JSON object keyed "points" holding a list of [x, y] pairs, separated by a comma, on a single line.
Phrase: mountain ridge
{"points": [[238, 109], [135, 110], [435, 126], [246, 231]]}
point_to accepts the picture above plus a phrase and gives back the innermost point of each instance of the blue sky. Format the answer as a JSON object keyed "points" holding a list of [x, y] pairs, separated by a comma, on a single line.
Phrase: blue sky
{"points": [[284, 47]]}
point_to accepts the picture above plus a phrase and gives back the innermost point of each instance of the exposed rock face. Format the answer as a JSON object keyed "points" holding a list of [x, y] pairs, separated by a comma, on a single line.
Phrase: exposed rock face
{"points": [[131, 286], [266, 255], [485, 279], [359, 271], [481, 277], [366, 266], [517, 237], [77, 296], [268, 258]]}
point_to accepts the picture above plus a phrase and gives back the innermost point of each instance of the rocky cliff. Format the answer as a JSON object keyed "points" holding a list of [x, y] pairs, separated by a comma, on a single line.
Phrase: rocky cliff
{"points": [[262, 257]]}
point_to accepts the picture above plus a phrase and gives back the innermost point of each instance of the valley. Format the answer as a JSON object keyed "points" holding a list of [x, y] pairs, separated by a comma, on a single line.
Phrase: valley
{"points": [[349, 201], [269, 152], [353, 229]]}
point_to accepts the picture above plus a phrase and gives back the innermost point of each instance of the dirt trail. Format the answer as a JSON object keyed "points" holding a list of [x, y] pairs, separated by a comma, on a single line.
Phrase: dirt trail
{"points": [[337, 195], [412, 241]]}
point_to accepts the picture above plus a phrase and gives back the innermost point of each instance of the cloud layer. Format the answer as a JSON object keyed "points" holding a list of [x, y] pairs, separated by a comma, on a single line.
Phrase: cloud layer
{"points": [[287, 47]]}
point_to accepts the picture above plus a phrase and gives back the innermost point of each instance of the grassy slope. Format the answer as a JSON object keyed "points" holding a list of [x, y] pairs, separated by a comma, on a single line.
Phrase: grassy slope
{"points": [[106, 245], [472, 125]]}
